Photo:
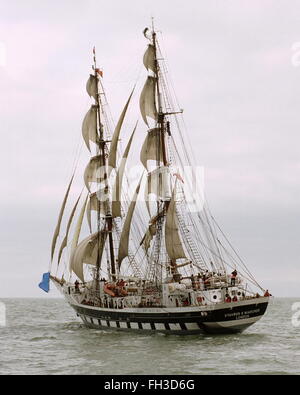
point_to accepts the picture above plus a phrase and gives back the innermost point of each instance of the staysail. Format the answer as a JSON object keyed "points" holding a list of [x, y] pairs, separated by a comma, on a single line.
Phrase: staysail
{"points": [[116, 197], [78, 226], [65, 240], [124, 239], [112, 158], [57, 229]]}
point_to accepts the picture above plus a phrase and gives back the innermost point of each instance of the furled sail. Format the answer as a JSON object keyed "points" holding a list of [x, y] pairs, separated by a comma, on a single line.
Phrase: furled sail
{"points": [[57, 229], [147, 100], [173, 243], [116, 197], [95, 171], [89, 127], [151, 232], [149, 58], [112, 158], [65, 240], [92, 86], [124, 239], [98, 201], [88, 252], [152, 147]]}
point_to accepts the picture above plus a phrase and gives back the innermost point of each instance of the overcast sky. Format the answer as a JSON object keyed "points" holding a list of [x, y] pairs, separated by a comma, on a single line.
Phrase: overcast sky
{"points": [[236, 76]]}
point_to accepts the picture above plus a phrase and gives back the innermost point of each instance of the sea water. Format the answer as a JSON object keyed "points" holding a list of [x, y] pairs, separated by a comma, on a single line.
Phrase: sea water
{"points": [[44, 336]]}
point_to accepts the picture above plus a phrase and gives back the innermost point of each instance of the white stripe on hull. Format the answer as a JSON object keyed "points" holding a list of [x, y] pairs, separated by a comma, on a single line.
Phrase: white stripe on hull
{"points": [[160, 327], [192, 326], [175, 327], [147, 326]]}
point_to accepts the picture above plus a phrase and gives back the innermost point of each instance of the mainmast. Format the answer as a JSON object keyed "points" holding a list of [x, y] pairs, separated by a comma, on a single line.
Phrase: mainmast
{"points": [[160, 151], [162, 142]]}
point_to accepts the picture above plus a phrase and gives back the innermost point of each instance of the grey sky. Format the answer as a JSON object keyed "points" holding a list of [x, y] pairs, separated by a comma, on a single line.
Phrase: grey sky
{"points": [[231, 65]]}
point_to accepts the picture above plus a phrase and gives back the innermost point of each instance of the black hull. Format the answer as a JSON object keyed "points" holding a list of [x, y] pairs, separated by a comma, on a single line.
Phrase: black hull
{"points": [[228, 318]]}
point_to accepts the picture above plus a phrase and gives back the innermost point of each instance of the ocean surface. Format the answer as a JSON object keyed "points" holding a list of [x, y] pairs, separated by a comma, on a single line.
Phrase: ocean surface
{"points": [[44, 336]]}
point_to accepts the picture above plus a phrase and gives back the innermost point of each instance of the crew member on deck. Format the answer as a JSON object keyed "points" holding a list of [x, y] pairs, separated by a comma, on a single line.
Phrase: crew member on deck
{"points": [[233, 277], [76, 286]]}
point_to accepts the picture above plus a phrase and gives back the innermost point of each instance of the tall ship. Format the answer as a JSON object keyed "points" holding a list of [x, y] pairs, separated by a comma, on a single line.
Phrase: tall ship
{"points": [[147, 256]]}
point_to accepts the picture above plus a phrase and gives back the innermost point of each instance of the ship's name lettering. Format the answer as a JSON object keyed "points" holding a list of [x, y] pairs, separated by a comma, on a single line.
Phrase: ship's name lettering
{"points": [[241, 314]]}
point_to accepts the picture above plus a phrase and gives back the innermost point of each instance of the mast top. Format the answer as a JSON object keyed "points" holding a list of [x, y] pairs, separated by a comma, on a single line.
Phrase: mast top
{"points": [[94, 67]]}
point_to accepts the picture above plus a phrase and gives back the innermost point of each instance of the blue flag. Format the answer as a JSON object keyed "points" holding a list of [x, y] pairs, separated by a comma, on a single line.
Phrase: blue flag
{"points": [[44, 285]]}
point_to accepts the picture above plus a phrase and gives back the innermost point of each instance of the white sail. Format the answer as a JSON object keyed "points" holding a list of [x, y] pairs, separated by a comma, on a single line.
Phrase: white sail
{"points": [[147, 100], [149, 58], [158, 183], [152, 148], [57, 229], [146, 198], [89, 127], [173, 243], [78, 226], [112, 158], [65, 240], [124, 239], [98, 201], [94, 172], [87, 252], [116, 197], [92, 86]]}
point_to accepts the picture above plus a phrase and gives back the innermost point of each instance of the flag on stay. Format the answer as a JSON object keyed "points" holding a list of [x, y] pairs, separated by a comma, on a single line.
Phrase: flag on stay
{"points": [[100, 72], [178, 176], [94, 50], [44, 285]]}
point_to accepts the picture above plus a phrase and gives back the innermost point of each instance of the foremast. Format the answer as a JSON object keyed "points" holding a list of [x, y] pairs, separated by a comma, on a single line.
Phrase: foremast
{"points": [[103, 150]]}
